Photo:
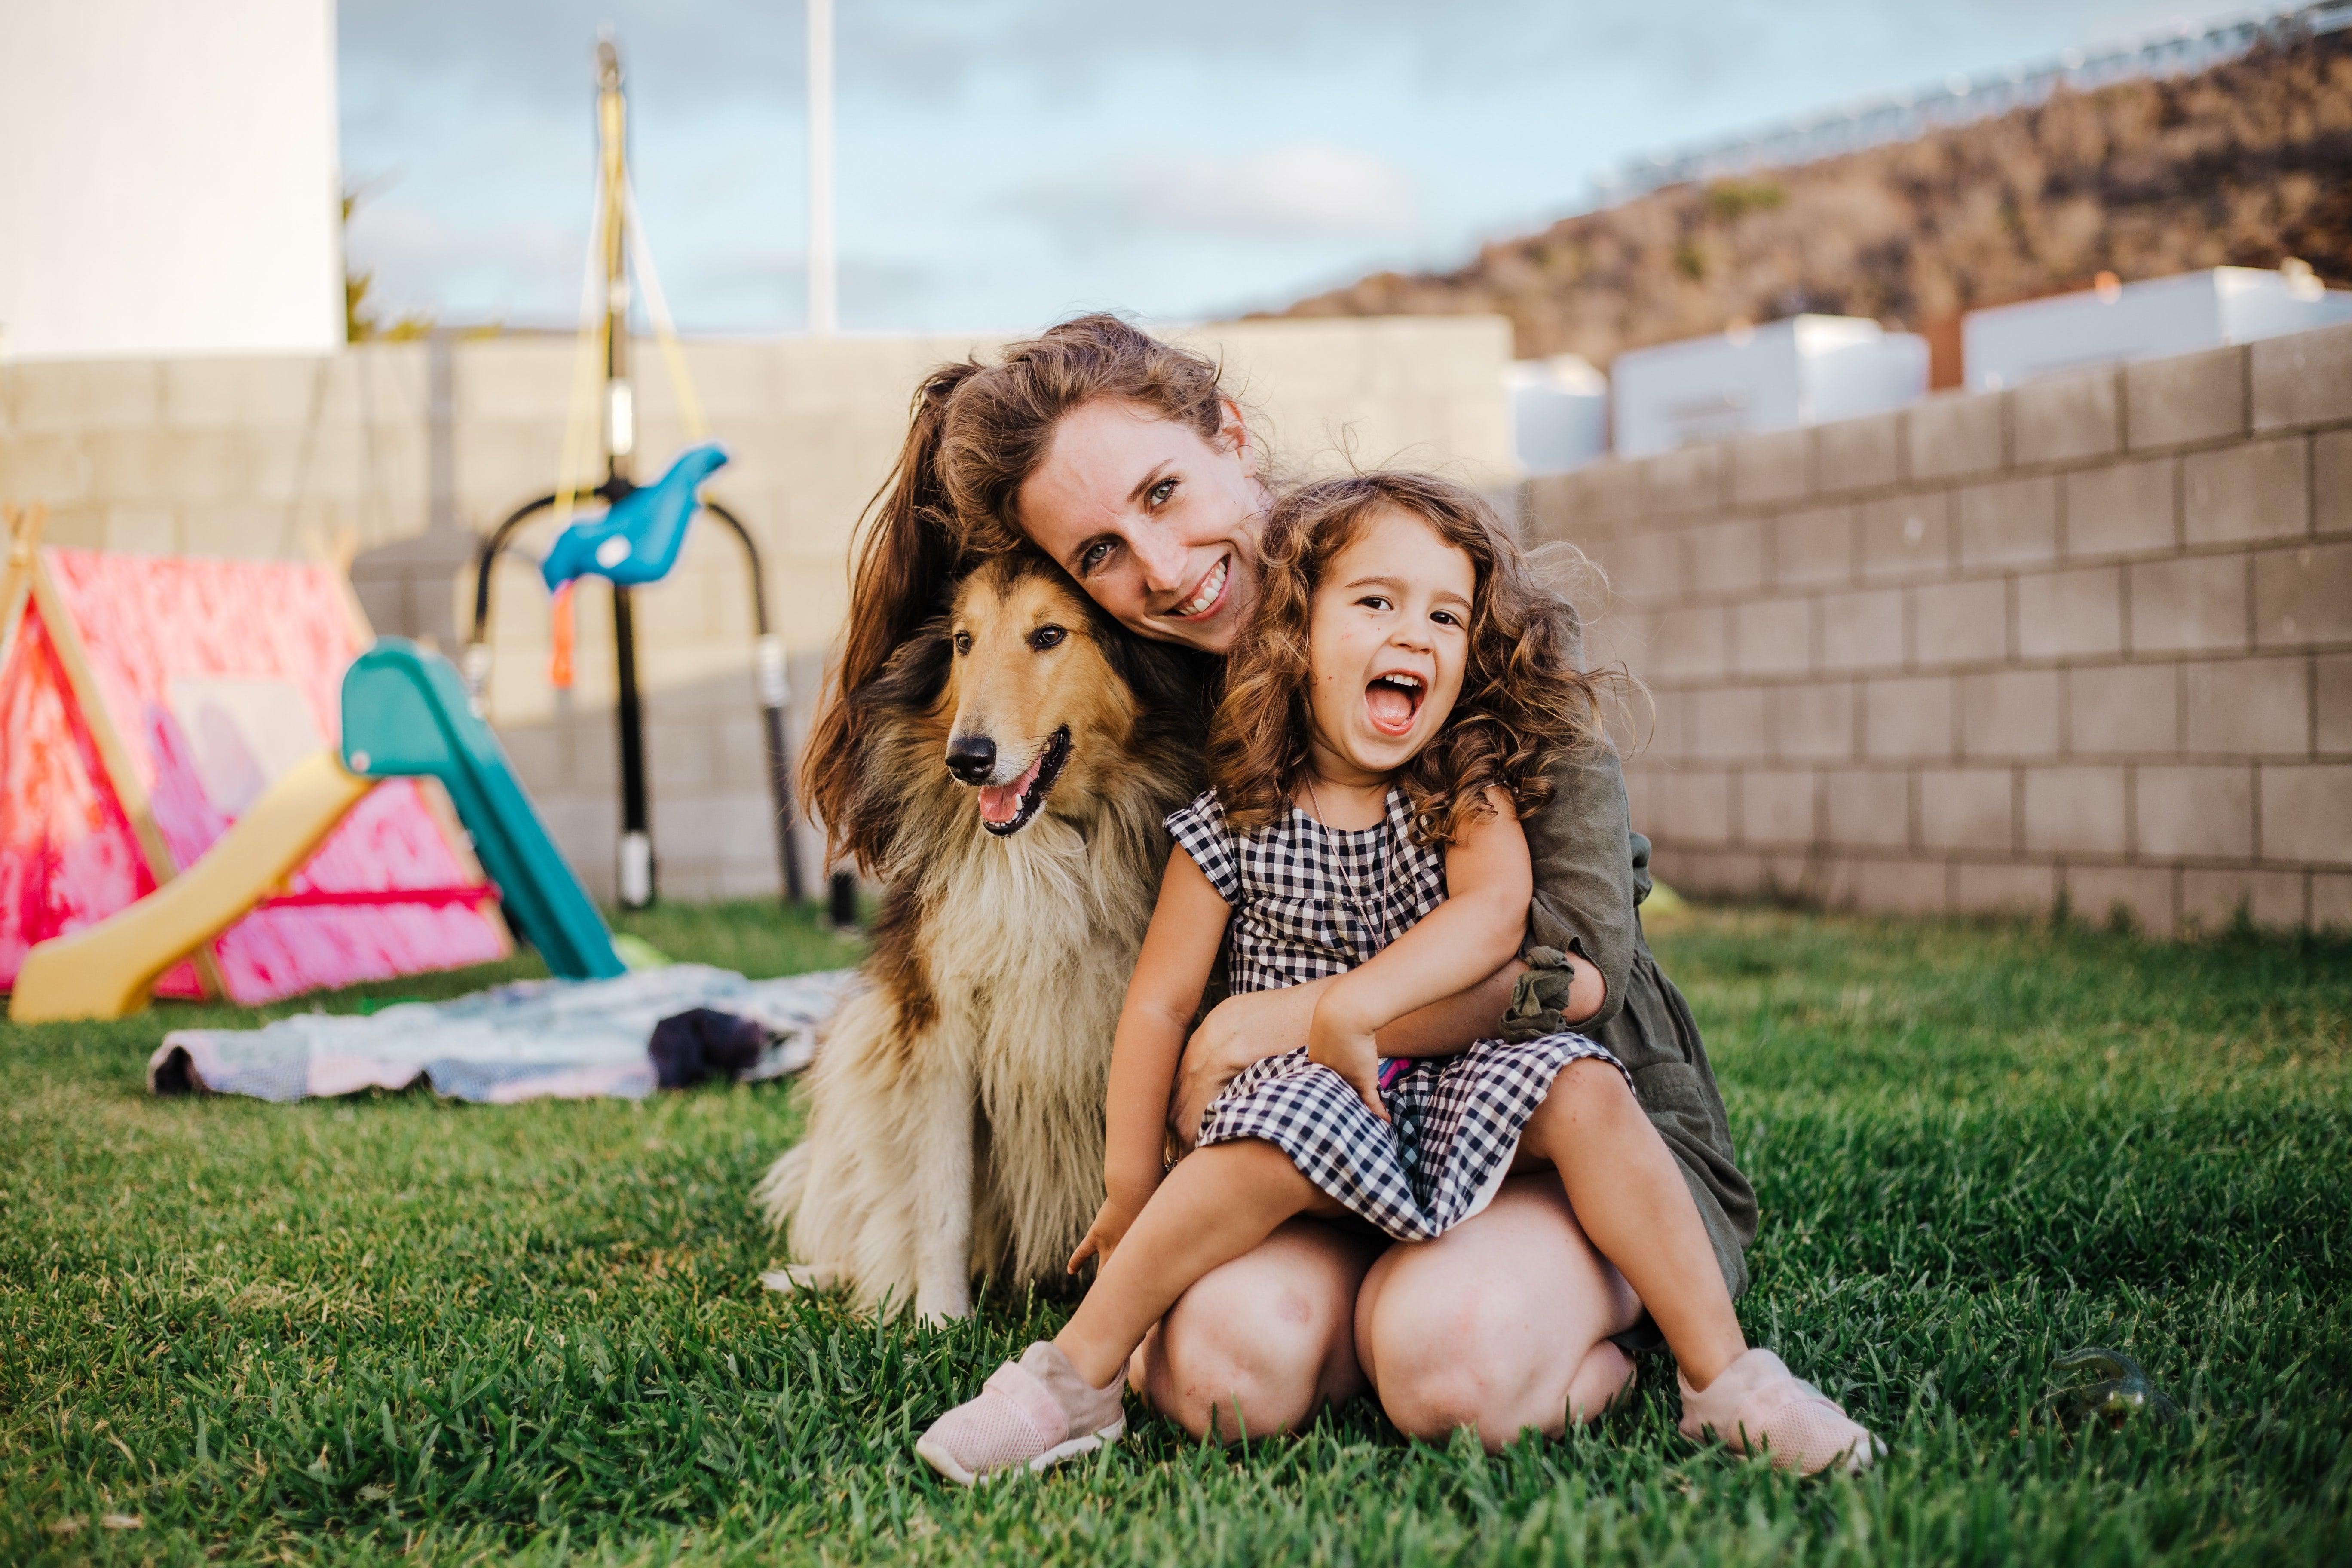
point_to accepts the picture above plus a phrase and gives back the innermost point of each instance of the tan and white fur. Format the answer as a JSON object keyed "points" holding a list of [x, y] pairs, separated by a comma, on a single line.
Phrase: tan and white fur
{"points": [[955, 1108]]}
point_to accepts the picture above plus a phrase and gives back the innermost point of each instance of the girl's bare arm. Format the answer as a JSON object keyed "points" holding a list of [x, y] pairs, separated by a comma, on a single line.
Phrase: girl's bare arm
{"points": [[1473, 933], [1186, 927]]}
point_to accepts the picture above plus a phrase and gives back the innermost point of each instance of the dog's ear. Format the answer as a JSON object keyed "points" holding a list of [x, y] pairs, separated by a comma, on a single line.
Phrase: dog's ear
{"points": [[908, 685], [911, 681]]}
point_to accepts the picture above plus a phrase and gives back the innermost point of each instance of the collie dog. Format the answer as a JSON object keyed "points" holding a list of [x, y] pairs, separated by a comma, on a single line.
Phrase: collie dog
{"points": [[1026, 751]]}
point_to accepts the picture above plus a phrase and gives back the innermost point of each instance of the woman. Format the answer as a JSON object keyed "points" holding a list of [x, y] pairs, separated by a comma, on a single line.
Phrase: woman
{"points": [[1123, 458]]}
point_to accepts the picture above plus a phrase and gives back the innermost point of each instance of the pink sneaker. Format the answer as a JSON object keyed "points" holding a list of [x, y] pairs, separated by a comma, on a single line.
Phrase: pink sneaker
{"points": [[1758, 1404], [1036, 1411]]}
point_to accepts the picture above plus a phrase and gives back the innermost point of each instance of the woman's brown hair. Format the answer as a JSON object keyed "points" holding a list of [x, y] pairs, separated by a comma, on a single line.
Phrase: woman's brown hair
{"points": [[1525, 697], [979, 431]]}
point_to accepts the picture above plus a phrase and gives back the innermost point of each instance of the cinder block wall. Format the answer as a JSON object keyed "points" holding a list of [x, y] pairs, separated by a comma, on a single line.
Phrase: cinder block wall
{"points": [[246, 456], [2088, 639]]}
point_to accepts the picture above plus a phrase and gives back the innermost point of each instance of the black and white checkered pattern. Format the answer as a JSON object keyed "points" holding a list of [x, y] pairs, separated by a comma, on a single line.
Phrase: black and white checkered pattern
{"points": [[1308, 901]]}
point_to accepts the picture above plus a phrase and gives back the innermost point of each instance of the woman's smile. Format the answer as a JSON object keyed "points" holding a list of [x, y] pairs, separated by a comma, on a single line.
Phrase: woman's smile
{"points": [[1207, 594], [1156, 521]]}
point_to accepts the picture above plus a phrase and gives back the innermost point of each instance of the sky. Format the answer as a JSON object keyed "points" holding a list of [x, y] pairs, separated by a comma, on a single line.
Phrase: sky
{"points": [[1003, 163]]}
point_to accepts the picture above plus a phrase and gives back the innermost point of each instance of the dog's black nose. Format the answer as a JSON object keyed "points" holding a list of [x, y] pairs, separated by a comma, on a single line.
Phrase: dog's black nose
{"points": [[971, 758]]}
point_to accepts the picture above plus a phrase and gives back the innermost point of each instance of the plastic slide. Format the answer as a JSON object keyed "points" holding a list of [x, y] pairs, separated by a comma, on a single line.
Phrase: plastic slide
{"points": [[106, 971], [405, 713]]}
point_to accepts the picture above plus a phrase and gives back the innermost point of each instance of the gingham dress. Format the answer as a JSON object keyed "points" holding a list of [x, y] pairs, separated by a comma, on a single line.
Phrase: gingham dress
{"points": [[1309, 902]]}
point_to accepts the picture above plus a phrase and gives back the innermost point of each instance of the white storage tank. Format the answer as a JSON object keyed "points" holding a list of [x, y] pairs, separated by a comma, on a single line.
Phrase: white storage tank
{"points": [[2011, 343], [1559, 413], [1801, 370]]}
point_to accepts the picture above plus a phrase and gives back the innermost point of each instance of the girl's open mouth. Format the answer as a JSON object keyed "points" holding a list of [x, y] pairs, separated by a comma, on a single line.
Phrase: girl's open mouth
{"points": [[1392, 701], [1006, 809]]}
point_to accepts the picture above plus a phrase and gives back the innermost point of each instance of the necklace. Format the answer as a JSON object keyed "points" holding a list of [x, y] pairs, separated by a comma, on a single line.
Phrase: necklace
{"points": [[1378, 929]]}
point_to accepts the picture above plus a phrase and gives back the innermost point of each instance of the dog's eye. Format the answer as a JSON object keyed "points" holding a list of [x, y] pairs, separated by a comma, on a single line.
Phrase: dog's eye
{"points": [[1044, 637], [963, 642]]}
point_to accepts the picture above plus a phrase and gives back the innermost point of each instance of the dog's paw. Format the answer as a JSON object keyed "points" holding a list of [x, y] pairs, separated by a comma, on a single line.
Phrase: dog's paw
{"points": [[943, 1306], [794, 1277]]}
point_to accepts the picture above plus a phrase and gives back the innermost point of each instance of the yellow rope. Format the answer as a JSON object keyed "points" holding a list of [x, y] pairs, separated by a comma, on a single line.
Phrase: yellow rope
{"points": [[690, 406]]}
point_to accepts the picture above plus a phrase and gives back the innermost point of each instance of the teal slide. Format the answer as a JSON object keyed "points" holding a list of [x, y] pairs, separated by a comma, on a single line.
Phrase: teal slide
{"points": [[405, 713]]}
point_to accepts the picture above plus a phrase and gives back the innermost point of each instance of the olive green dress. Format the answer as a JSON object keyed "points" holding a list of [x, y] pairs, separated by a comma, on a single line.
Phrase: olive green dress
{"points": [[1592, 870]]}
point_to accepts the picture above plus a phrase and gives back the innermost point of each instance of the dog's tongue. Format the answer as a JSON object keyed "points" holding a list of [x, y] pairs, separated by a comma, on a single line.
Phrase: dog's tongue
{"points": [[999, 804], [1388, 706]]}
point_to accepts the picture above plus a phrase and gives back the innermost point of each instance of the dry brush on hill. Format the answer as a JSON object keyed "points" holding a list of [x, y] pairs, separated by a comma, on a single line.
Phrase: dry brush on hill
{"points": [[2244, 164]]}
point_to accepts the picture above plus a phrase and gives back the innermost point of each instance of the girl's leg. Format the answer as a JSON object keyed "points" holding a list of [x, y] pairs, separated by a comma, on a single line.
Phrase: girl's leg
{"points": [[1216, 1204], [1500, 1324], [1257, 1345], [1628, 1194]]}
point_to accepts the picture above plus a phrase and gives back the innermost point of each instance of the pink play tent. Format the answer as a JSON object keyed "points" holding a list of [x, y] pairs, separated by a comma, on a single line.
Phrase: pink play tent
{"points": [[145, 702]]}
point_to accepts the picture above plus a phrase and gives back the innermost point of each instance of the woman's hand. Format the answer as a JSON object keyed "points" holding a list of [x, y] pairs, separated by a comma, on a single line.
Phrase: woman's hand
{"points": [[1342, 1039], [1245, 1028]]}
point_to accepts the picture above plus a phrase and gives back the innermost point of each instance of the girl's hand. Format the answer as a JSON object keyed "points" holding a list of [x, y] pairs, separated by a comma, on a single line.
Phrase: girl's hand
{"points": [[1108, 1230], [1345, 1043]]}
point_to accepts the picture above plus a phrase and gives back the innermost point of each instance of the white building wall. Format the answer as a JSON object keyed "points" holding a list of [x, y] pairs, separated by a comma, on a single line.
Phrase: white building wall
{"points": [[171, 183]]}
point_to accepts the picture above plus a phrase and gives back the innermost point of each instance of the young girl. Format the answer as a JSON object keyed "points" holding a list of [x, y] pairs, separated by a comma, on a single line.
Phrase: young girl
{"points": [[1389, 717]]}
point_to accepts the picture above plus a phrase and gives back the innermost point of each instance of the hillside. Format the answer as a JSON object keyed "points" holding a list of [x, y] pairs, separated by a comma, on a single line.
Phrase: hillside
{"points": [[2244, 164]]}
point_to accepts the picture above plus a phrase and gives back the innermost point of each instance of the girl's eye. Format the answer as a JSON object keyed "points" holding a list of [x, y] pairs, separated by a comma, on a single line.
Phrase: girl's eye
{"points": [[1044, 637], [1445, 618], [1158, 495], [1096, 554], [1374, 602], [963, 642]]}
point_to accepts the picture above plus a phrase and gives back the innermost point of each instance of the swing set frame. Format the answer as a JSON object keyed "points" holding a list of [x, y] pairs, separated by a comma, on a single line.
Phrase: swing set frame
{"points": [[616, 233]]}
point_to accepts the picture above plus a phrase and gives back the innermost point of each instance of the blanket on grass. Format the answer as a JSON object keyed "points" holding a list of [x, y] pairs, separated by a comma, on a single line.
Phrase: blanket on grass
{"points": [[529, 1040]]}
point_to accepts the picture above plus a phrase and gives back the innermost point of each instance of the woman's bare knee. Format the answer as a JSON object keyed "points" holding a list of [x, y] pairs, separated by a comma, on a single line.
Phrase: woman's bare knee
{"points": [[1487, 1326], [1255, 1346], [1450, 1358]]}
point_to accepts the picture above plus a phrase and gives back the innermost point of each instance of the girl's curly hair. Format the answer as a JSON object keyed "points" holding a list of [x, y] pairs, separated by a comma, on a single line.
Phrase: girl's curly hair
{"points": [[1526, 698]]}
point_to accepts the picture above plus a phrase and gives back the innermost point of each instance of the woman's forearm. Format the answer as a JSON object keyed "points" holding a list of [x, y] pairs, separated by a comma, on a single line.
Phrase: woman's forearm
{"points": [[1474, 933], [1453, 1023]]}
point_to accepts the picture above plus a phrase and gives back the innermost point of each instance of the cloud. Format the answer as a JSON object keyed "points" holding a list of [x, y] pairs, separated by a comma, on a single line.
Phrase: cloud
{"points": [[982, 141], [707, 51], [1301, 191]]}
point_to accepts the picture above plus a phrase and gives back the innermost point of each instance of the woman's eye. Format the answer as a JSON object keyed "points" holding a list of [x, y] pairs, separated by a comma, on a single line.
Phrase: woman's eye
{"points": [[963, 642], [1096, 554], [1044, 637], [1159, 493]]}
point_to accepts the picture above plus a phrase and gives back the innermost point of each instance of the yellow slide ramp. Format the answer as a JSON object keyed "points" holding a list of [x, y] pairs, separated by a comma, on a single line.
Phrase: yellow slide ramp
{"points": [[108, 970]]}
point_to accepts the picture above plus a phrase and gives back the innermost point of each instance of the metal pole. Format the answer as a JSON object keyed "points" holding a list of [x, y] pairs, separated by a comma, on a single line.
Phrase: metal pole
{"points": [[769, 674], [823, 304], [637, 864]]}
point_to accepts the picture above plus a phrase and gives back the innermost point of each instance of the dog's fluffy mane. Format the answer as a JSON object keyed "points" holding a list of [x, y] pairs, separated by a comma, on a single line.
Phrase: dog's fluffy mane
{"points": [[998, 964]]}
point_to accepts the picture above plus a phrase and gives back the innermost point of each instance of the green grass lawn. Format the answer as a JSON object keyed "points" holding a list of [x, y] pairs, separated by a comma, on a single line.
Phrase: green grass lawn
{"points": [[393, 1328]]}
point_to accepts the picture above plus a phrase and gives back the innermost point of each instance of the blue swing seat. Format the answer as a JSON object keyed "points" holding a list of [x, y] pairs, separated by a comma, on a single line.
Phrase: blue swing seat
{"points": [[637, 540]]}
